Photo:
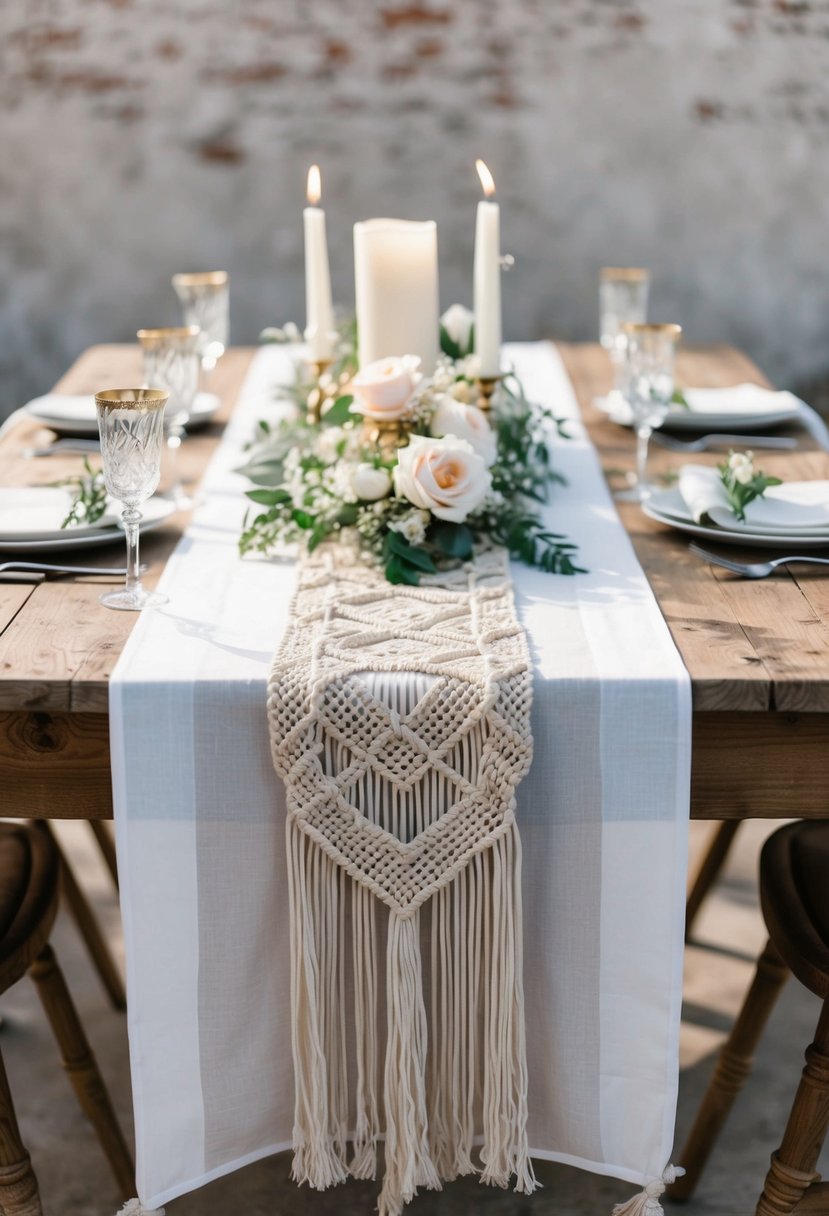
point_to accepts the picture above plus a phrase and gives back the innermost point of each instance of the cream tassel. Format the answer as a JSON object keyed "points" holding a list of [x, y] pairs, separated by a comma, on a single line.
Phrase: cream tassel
{"points": [[364, 939], [505, 1151], [646, 1203], [316, 1160], [134, 1207], [408, 1164]]}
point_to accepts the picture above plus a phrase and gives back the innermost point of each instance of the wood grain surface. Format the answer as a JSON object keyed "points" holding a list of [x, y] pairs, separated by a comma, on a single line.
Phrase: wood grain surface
{"points": [[757, 652], [753, 646], [58, 644]]}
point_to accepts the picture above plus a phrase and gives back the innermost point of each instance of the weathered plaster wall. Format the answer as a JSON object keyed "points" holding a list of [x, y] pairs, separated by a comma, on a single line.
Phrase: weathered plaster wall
{"points": [[140, 137]]}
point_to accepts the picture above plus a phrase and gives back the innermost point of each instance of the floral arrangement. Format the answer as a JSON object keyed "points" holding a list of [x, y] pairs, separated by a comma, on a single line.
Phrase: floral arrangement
{"points": [[742, 482], [408, 467]]}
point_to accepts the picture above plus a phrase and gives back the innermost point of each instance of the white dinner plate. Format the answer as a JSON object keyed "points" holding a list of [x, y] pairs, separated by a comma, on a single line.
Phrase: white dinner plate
{"points": [[668, 507], [154, 512], [34, 513], [680, 419], [77, 416]]}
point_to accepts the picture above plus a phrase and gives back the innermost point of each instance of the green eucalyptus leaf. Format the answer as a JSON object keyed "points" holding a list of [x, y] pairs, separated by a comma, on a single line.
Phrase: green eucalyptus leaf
{"points": [[455, 540], [318, 535], [398, 571], [340, 412], [268, 498]]}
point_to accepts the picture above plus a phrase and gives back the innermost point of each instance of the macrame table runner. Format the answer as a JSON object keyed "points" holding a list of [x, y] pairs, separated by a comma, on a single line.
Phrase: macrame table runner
{"points": [[407, 802], [203, 821]]}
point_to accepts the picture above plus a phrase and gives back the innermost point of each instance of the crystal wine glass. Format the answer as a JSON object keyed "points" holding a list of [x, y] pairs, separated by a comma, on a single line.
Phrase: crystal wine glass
{"points": [[131, 426], [623, 298], [650, 353], [205, 302], [171, 361]]}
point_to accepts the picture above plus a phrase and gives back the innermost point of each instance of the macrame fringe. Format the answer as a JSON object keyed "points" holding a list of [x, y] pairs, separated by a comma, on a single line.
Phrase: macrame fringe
{"points": [[134, 1207], [401, 822], [408, 1163], [470, 1049], [505, 1152], [319, 1111], [646, 1203], [364, 951]]}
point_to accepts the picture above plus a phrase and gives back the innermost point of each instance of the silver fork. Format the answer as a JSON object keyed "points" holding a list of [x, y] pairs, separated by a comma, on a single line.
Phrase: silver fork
{"points": [[755, 569], [61, 446], [45, 568], [782, 442]]}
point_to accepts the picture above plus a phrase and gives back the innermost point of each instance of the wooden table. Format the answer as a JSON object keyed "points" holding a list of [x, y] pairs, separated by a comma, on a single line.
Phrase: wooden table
{"points": [[757, 652]]}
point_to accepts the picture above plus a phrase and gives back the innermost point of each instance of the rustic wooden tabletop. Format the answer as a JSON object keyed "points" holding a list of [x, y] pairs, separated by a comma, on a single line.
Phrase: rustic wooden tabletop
{"points": [[757, 652]]}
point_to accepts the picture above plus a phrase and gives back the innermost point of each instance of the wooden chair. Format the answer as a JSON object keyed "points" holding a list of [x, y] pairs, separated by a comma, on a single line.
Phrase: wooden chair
{"points": [[29, 880], [794, 895], [83, 915], [708, 870]]}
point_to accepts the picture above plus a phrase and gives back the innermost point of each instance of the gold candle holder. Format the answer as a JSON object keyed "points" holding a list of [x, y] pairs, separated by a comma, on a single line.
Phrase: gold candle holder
{"points": [[316, 370], [386, 437], [486, 386]]}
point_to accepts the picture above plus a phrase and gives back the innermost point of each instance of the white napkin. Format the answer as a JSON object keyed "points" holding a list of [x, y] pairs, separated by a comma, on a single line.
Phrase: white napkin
{"points": [[794, 508], [740, 399], [64, 406], [35, 512]]}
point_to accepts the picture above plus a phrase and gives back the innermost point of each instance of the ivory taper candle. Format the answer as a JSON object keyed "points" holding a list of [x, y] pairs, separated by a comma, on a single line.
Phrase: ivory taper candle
{"points": [[396, 288], [487, 278], [319, 313]]}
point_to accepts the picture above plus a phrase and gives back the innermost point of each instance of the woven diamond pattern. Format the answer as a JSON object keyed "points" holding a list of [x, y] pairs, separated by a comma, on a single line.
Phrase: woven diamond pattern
{"points": [[401, 795]]}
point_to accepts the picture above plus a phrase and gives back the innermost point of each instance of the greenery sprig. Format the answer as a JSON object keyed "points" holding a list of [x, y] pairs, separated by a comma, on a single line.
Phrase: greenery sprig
{"points": [[90, 496], [742, 482]]}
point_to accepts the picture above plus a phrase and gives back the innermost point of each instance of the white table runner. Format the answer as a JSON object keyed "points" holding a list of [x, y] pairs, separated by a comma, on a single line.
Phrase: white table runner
{"points": [[200, 830]]}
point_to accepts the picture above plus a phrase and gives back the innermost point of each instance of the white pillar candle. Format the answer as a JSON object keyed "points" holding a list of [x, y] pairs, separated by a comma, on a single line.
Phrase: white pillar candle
{"points": [[396, 289], [319, 313], [487, 279]]}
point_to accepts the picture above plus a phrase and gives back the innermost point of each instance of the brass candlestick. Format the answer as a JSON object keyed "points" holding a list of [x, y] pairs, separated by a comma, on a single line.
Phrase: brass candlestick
{"points": [[316, 370], [386, 437], [486, 386]]}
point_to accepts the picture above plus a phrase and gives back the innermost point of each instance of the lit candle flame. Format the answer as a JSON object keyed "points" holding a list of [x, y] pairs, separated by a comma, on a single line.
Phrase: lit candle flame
{"points": [[486, 178], [314, 185]]}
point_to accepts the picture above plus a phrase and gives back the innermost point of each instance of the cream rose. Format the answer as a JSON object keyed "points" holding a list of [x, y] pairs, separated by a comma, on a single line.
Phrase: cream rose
{"points": [[384, 389], [466, 422], [370, 484], [444, 476]]}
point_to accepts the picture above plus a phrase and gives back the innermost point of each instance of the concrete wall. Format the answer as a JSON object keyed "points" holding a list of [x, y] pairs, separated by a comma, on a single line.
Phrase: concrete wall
{"points": [[140, 137]]}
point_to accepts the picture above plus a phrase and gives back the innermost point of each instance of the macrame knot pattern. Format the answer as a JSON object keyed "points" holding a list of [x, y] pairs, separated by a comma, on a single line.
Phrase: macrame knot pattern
{"points": [[400, 723]]}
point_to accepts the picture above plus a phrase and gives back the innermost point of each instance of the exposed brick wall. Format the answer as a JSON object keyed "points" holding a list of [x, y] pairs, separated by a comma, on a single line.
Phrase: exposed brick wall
{"points": [[140, 137]]}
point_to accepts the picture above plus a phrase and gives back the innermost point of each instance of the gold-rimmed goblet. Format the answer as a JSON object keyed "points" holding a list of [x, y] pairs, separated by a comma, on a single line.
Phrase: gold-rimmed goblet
{"points": [[131, 426], [623, 299], [205, 301], [650, 354], [171, 361]]}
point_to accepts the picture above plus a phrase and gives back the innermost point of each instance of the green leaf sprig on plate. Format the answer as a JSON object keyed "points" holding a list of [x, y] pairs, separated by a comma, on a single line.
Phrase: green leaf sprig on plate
{"points": [[742, 482], [90, 496]]}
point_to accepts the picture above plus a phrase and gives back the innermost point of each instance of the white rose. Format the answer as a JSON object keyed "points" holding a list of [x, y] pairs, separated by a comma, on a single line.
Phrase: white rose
{"points": [[444, 476], [384, 388], [743, 474], [369, 483], [467, 422], [458, 321]]}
